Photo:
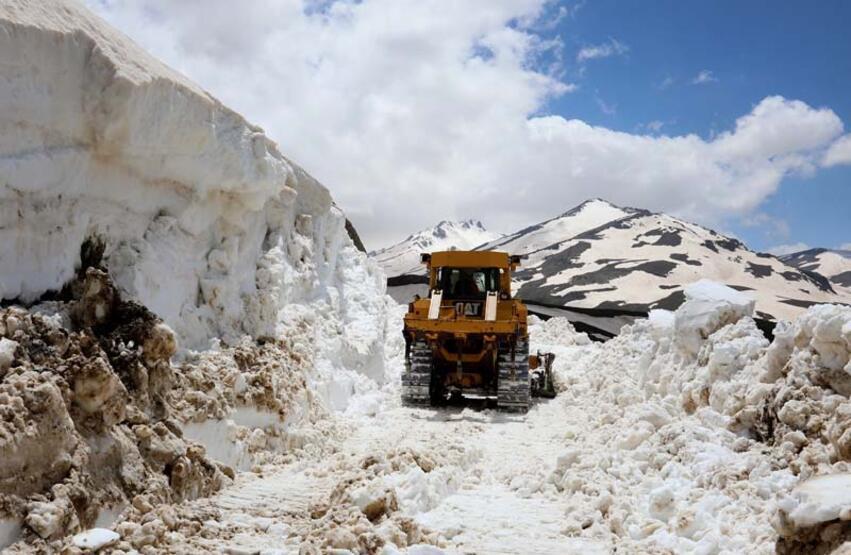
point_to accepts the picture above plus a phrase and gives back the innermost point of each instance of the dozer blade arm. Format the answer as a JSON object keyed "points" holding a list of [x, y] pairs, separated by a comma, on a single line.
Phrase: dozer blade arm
{"points": [[541, 374]]}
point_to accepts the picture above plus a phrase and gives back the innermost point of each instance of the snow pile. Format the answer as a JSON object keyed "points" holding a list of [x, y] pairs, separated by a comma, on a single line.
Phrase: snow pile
{"points": [[95, 420], [709, 306], [652, 445], [698, 428], [139, 219]]}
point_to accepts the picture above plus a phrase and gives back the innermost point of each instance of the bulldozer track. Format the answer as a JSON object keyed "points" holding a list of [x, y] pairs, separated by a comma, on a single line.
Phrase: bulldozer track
{"points": [[416, 379], [513, 390]]}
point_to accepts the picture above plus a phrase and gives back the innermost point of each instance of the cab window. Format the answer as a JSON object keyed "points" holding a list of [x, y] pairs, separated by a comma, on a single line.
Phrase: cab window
{"points": [[467, 283]]}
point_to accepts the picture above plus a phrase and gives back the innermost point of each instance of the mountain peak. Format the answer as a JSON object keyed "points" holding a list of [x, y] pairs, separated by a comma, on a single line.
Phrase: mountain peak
{"points": [[464, 224], [591, 202], [445, 228], [602, 205], [404, 257]]}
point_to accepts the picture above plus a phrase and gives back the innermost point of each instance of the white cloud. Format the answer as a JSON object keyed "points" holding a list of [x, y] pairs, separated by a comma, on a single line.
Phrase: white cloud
{"points": [[839, 152], [780, 250], [413, 111], [604, 50], [705, 76], [845, 246]]}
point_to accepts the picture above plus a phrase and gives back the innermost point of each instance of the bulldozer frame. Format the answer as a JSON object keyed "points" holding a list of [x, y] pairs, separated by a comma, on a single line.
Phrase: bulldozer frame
{"points": [[470, 337]]}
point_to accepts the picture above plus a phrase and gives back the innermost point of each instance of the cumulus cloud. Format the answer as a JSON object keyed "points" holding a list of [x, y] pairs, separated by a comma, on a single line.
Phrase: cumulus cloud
{"points": [[705, 76], [839, 152], [780, 250], [414, 111], [605, 50]]}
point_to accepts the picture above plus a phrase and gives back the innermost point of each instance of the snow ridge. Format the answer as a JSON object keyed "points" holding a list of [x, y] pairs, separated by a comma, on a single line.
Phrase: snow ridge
{"points": [[588, 215]]}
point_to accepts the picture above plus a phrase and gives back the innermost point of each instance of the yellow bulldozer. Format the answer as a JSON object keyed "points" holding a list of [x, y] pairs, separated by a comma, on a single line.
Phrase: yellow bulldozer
{"points": [[470, 337]]}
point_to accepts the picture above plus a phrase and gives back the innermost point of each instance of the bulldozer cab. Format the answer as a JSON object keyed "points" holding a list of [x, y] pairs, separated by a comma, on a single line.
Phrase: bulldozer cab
{"points": [[470, 275]]}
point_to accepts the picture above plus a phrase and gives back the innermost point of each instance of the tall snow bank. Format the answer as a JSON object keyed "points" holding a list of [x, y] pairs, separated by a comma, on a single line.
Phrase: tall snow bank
{"points": [[203, 220], [112, 161], [701, 431]]}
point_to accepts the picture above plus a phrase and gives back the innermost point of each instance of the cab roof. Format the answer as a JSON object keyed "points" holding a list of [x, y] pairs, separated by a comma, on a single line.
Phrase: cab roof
{"points": [[468, 259]]}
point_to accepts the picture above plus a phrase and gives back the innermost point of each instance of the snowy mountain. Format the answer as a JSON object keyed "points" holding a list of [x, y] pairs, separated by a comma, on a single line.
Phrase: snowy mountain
{"points": [[602, 259], [835, 265], [404, 257], [642, 261]]}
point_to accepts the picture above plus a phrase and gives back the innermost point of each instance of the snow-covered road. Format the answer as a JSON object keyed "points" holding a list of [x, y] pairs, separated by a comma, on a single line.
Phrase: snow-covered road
{"points": [[471, 476], [652, 445]]}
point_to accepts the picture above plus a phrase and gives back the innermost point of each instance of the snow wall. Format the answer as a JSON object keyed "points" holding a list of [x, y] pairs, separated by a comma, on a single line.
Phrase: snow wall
{"points": [[204, 221], [278, 317]]}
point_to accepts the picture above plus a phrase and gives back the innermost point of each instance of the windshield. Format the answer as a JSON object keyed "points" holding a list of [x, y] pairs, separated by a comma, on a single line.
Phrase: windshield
{"points": [[467, 283]]}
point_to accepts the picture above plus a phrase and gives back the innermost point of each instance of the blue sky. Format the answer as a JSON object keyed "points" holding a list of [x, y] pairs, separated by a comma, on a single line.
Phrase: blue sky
{"points": [[753, 49]]}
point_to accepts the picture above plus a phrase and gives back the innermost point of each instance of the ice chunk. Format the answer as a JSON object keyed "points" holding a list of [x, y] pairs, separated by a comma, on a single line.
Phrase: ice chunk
{"points": [[95, 539], [7, 353], [423, 549], [821, 499], [709, 306], [661, 318]]}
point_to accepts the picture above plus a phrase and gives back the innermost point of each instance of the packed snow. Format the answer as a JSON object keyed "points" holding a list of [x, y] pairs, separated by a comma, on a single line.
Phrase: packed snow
{"points": [[204, 221], [821, 499]]}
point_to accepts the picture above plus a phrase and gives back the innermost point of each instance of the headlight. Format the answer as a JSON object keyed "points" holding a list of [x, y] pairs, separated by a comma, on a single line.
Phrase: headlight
{"points": [[504, 296]]}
